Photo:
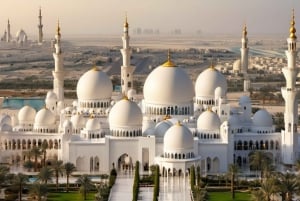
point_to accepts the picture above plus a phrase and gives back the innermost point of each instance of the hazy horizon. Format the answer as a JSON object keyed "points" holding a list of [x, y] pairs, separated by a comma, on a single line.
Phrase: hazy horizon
{"points": [[94, 17]]}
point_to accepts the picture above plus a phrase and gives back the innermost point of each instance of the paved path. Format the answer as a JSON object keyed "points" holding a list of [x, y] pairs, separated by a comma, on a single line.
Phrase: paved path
{"points": [[122, 189], [174, 189]]}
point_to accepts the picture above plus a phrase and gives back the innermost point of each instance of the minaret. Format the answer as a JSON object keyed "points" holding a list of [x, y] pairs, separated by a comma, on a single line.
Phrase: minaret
{"points": [[58, 73], [244, 51], [126, 68], [40, 27], [290, 93], [8, 35]]}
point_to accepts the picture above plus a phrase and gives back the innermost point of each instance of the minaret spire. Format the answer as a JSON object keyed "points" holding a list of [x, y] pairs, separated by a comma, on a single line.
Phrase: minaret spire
{"points": [[126, 68], [40, 27], [290, 94], [58, 73], [8, 36]]}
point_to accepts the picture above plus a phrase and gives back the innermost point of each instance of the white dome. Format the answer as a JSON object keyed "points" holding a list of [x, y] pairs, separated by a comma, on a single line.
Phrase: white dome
{"points": [[167, 85], [131, 93], [67, 124], [208, 120], [234, 121], [262, 118], [162, 127], [26, 114], [244, 100], [208, 81], [44, 117], [78, 121], [125, 113], [178, 138], [237, 65], [94, 85], [92, 124], [51, 95]]}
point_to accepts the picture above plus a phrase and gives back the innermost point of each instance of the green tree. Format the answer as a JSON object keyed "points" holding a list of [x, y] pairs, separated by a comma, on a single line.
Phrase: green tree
{"points": [[85, 185], [58, 168], [261, 162], [135, 188], [38, 191], [232, 171], [69, 169], [192, 177], [287, 185], [45, 175], [268, 187], [257, 195], [3, 174], [36, 153], [44, 151], [19, 181]]}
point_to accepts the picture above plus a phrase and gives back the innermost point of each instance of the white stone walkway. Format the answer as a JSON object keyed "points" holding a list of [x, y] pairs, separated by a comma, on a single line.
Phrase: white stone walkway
{"points": [[122, 189]]}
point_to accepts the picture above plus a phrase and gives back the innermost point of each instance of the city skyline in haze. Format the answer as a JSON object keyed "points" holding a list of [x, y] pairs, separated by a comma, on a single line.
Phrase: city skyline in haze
{"points": [[94, 17]]}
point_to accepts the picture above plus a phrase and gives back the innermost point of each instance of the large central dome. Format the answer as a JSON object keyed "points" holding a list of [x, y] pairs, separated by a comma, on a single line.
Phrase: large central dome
{"points": [[168, 84], [94, 85]]}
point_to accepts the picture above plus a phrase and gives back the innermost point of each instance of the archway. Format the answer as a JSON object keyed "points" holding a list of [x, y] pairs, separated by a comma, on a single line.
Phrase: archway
{"points": [[125, 162], [215, 165], [80, 163]]}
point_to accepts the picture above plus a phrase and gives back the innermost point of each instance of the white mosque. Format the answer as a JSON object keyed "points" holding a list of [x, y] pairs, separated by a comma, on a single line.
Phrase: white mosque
{"points": [[177, 124]]}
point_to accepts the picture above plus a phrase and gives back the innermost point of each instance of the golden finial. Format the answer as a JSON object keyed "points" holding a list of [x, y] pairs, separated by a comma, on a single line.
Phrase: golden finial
{"points": [[126, 22], [245, 30], [58, 28], [95, 68], [212, 66], [209, 109], [168, 63], [178, 123], [292, 28], [167, 117], [125, 97]]}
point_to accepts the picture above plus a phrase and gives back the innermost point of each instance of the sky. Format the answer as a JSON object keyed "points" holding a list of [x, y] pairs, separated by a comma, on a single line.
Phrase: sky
{"points": [[105, 17]]}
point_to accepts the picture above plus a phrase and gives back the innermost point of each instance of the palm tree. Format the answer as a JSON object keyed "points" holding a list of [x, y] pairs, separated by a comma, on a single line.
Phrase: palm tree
{"points": [[260, 161], [36, 152], [20, 180], [57, 167], [38, 190], [297, 165], [85, 184], [44, 151], [3, 173], [257, 195], [268, 188], [45, 175], [233, 170], [69, 169], [288, 185]]}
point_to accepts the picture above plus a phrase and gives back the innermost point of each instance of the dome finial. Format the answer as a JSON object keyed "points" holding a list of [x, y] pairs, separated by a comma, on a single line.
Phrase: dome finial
{"points": [[126, 22], [245, 30], [58, 28], [292, 27], [168, 63]]}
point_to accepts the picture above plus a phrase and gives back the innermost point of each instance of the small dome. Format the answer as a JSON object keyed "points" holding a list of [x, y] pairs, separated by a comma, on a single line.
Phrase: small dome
{"points": [[178, 138], [167, 85], [44, 117], [244, 100], [125, 113], [75, 103], [60, 105], [78, 121], [208, 120], [92, 124], [131, 93], [162, 127], [67, 123], [26, 114], [234, 120], [208, 81], [94, 85], [5, 119], [237, 65], [5, 127], [262, 118], [51, 95]]}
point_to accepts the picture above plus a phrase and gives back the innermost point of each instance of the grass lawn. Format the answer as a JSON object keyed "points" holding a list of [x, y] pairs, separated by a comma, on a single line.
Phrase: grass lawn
{"points": [[226, 196], [74, 196]]}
